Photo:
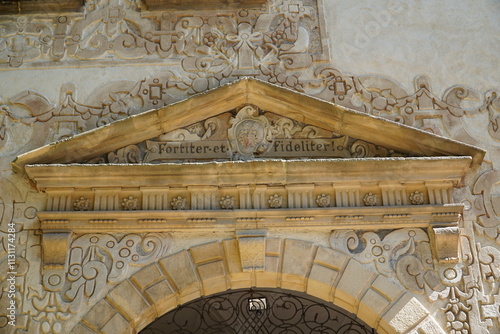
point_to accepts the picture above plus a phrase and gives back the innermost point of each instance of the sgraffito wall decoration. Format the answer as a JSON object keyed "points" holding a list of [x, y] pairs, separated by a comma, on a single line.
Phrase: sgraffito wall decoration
{"points": [[283, 42]]}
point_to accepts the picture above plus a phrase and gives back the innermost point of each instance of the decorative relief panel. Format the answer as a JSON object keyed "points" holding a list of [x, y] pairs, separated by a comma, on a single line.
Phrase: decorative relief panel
{"points": [[116, 30], [250, 134], [404, 254], [95, 262]]}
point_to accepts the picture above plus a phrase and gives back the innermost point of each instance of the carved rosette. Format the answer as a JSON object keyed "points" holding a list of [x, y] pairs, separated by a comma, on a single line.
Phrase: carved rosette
{"points": [[178, 203], [370, 199], [276, 201], [81, 204], [417, 198], [323, 200], [130, 203], [227, 202]]}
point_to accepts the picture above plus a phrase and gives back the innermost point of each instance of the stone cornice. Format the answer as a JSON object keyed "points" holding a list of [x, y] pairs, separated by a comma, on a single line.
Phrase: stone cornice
{"points": [[341, 171], [424, 216]]}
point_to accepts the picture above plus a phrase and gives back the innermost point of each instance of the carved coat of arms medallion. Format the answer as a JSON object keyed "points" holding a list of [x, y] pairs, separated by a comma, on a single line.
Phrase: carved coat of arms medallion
{"points": [[250, 135]]}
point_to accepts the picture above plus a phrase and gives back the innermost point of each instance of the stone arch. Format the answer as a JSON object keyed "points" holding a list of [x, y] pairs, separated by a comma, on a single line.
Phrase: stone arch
{"points": [[290, 264]]}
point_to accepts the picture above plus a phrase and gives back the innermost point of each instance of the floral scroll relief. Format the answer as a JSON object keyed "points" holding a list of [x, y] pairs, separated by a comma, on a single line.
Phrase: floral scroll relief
{"points": [[97, 260], [488, 222], [217, 44], [404, 254]]}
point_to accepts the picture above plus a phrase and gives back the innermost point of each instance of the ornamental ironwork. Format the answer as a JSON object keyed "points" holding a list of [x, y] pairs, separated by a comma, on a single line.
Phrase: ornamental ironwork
{"points": [[258, 311]]}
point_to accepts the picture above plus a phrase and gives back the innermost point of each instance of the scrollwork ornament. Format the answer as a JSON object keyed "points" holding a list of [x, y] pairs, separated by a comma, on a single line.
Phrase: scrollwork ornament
{"points": [[488, 205], [100, 259], [404, 254], [129, 154]]}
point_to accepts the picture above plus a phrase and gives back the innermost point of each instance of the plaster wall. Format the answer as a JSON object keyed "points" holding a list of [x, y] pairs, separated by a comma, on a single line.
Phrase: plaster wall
{"points": [[454, 43]]}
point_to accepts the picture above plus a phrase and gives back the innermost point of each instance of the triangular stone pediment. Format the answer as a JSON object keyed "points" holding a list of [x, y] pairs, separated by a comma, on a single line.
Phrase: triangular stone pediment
{"points": [[246, 120], [247, 133]]}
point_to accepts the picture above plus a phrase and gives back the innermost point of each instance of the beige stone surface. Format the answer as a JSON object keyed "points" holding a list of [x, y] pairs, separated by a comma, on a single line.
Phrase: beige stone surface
{"points": [[181, 269], [126, 298], [117, 325], [353, 284], [371, 305], [405, 313]]}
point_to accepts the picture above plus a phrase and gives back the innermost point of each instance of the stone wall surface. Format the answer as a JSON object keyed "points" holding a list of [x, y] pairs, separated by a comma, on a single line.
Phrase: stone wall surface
{"points": [[433, 66], [453, 43]]}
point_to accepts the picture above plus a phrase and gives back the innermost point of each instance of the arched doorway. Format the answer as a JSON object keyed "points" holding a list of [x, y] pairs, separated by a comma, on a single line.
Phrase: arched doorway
{"points": [[258, 311]]}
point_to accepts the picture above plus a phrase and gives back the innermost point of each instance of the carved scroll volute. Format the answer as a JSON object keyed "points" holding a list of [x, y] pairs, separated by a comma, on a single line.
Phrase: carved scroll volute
{"points": [[55, 248], [445, 243]]}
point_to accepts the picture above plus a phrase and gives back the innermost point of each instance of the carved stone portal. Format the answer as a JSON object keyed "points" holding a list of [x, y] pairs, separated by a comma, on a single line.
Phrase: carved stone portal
{"points": [[285, 175]]}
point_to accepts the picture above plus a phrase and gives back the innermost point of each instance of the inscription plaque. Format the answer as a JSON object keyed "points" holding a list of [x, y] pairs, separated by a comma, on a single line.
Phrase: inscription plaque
{"points": [[220, 149]]}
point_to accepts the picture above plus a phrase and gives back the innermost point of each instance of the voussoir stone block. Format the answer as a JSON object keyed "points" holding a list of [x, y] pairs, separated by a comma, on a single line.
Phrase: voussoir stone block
{"points": [[331, 258], [232, 255], [273, 246], [428, 326], [81, 329], [180, 268], [206, 253], [270, 276], [117, 325], [131, 303], [100, 314], [404, 315], [148, 276], [386, 288], [297, 257], [320, 282], [162, 295], [354, 281], [371, 306], [213, 277]]}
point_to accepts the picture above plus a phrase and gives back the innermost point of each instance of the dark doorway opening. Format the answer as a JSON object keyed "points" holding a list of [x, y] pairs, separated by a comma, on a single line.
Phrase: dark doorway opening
{"points": [[262, 311]]}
